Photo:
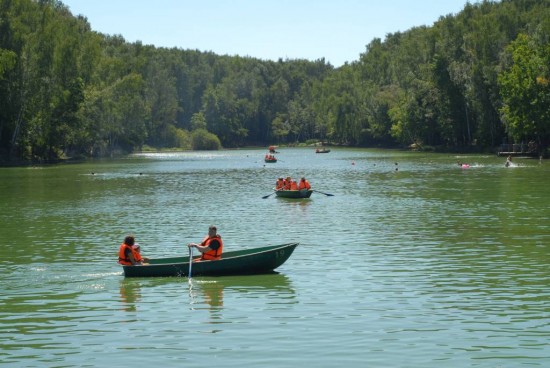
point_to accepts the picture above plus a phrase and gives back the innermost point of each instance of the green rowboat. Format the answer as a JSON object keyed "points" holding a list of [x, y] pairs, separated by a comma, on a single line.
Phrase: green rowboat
{"points": [[304, 193], [239, 262]]}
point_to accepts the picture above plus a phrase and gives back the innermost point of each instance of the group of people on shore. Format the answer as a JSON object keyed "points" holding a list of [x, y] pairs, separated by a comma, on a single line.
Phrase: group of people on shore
{"points": [[289, 184], [211, 248]]}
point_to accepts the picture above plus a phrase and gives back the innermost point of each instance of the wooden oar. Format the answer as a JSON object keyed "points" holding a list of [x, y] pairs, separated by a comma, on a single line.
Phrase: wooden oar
{"points": [[270, 194], [327, 194]]}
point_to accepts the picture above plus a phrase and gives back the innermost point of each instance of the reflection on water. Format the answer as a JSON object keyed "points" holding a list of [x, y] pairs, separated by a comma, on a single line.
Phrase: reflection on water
{"points": [[300, 204], [206, 293], [130, 294]]}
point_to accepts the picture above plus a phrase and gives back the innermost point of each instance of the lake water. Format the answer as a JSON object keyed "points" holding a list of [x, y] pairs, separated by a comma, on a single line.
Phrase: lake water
{"points": [[414, 262]]}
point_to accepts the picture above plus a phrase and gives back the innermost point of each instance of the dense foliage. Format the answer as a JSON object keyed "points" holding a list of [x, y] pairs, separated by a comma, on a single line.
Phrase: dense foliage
{"points": [[472, 80]]}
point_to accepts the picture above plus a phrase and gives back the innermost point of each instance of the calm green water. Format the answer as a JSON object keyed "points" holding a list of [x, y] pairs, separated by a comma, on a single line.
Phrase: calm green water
{"points": [[429, 265]]}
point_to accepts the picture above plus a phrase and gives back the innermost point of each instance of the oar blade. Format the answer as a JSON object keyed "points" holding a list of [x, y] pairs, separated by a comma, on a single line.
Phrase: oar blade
{"points": [[327, 194], [269, 195]]}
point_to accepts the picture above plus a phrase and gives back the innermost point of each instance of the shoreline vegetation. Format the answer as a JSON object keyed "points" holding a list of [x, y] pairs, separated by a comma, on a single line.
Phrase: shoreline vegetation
{"points": [[472, 82]]}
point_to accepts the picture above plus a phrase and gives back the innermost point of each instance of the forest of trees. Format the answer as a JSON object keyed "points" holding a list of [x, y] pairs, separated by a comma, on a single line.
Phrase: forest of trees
{"points": [[471, 81]]}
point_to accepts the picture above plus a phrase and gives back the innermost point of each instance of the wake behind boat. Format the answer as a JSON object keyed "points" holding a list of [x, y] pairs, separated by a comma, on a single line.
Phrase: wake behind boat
{"points": [[239, 262]]}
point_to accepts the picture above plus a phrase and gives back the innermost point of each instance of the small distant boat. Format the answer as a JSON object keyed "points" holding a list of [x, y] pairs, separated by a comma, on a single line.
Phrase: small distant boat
{"points": [[322, 150], [272, 149], [304, 193], [240, 262]]}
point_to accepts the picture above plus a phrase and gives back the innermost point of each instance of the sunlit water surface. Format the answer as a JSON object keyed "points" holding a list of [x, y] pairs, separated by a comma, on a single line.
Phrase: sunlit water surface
{"points": [[413, 262]]}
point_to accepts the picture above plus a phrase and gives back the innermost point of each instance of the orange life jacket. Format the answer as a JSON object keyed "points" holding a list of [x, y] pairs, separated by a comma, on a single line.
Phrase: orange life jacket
{"points": [[293, 185], [137, 255], [212, 254], [280, 184], [123, 259], [304, 184], [287, 185]]}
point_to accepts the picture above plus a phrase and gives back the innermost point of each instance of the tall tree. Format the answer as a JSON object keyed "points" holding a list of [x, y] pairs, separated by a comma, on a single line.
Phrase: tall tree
{"points": [[525, 87]]}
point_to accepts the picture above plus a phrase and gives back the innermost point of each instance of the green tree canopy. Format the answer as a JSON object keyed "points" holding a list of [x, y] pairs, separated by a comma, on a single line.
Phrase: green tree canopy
{"points": [[525, 88]]}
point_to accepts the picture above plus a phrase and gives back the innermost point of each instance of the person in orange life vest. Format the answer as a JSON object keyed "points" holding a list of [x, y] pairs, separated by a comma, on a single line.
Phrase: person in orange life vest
{"points": [[127, 254], [288, 182], [293, 185], [304, 184], [211, 246], [136, 251], [280, 184]]}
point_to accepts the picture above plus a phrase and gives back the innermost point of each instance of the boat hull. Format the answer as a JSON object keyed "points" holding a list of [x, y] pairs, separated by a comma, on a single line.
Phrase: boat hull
{"points": [[294, 193], [241, 262]]}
